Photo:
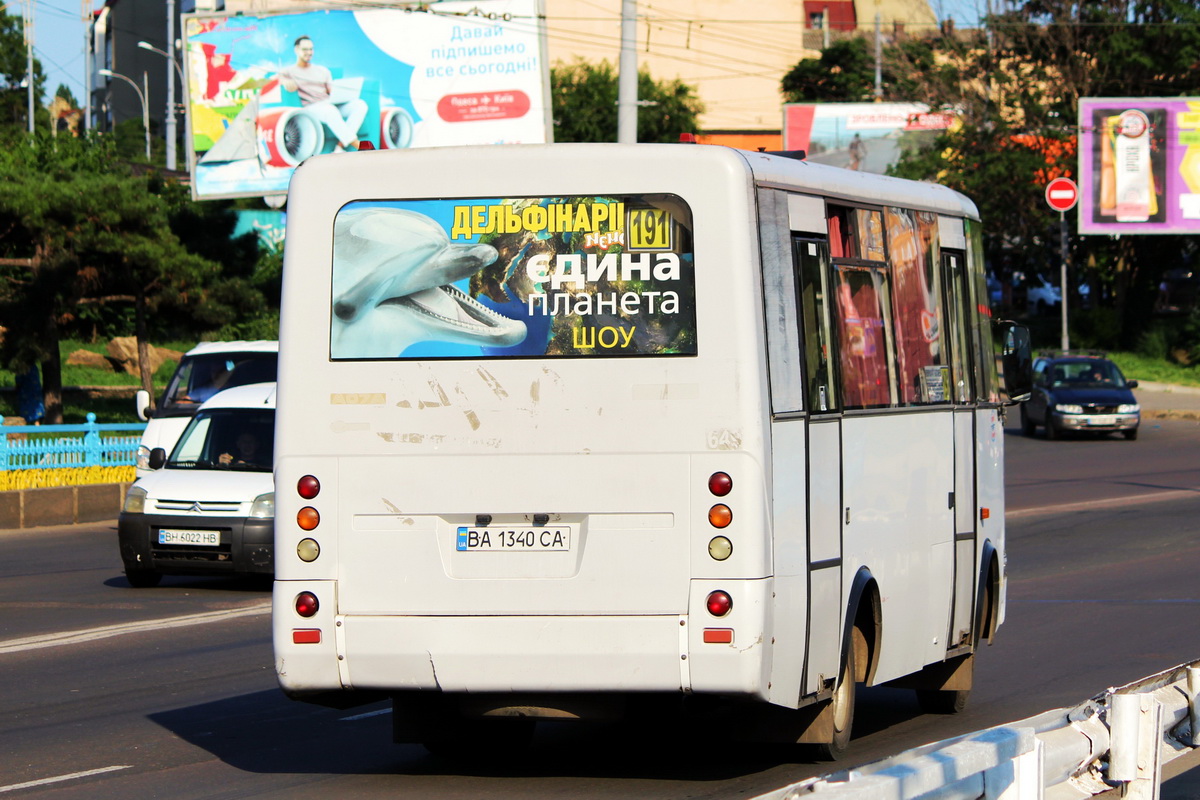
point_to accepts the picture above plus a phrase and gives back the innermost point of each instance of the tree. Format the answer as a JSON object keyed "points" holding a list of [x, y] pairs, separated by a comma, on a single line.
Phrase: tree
{"points": [[75, 227], [1015, 88], [584, 101], [14, 94]]}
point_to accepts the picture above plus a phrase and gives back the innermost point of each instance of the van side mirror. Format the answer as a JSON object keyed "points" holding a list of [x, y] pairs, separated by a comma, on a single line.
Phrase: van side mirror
{"points": [[158, 457], [1016, 357], [141, 400]]}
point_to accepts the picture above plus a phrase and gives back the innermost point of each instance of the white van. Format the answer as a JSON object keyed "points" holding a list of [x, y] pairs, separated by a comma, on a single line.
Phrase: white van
{"points": [[203, 371], [209, 506]]}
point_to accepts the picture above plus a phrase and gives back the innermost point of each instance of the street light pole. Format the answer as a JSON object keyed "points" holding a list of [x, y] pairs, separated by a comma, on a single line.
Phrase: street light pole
{"points": [[171, 159], [108, 73]]}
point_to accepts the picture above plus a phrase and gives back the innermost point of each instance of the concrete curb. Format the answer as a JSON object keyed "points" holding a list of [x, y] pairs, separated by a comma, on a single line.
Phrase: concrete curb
{"points": [[61, 505]]}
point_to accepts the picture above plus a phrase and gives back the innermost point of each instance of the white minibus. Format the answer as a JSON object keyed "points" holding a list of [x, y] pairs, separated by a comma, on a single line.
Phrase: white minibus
{"points": [[565, 431]]}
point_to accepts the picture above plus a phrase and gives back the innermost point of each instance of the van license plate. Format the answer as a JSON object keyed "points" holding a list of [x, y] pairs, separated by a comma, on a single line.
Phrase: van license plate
{"points": [[521, 539], [176, 536]]}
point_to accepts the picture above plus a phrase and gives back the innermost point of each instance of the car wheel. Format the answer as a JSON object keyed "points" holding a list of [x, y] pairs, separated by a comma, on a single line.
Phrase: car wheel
{"points": [[143, 578], [1052, 432], [1130, 434], [1028, 426]]}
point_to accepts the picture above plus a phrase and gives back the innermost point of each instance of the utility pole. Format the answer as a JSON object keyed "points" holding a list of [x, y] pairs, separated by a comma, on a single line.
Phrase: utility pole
{"points": [[89, 65], [29, 57], [171, 67], [627, 93], [878, 58]]}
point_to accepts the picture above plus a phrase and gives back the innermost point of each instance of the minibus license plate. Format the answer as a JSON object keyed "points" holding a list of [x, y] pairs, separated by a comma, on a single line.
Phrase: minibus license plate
{"points": [[524, 539], [176, 536]]}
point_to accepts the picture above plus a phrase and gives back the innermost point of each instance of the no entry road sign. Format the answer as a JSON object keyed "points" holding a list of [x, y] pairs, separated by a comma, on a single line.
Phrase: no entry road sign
{"points": [[1062, 194]]}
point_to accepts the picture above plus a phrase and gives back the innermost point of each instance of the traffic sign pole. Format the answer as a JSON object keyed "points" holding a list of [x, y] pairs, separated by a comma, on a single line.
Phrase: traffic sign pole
{"points": [[1062, 228], [1061, 195]]}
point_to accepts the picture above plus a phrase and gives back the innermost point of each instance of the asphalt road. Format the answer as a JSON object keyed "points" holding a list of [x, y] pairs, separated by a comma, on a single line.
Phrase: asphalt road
{"points": [[1103, 553]]}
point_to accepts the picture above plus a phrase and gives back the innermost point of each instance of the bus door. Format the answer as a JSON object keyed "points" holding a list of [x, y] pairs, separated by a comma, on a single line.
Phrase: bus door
{"points": [[958, 315], [823, 468]]}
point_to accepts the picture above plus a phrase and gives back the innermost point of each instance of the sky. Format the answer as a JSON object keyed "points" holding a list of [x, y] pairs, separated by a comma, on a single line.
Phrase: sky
{"points": [[58, 40]]}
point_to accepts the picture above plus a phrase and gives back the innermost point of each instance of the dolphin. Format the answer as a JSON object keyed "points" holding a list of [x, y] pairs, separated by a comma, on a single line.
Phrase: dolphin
{"points": [[393, 271]]}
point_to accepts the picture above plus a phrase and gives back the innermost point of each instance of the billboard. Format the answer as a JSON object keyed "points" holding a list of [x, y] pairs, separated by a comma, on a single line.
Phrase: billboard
{"points": [[266, 92], [1139, 165], [869, 137]]}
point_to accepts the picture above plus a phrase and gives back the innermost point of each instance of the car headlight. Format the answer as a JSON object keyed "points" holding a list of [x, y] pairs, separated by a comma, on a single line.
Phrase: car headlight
{"points": [[1067, 408], [1128, 408], [142, 459], [135, 500], [263, 506]]}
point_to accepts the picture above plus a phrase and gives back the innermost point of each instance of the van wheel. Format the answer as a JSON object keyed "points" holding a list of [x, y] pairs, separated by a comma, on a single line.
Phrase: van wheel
{"points": [[1130, 434], [143, 578], [843, 701]]}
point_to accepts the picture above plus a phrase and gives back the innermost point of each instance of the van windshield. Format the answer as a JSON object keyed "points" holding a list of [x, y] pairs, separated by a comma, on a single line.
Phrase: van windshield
{"points": [[227, 439], [200, 377]]}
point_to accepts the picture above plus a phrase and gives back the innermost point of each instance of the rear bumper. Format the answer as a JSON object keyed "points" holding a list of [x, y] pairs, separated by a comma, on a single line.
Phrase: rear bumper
{"points": [[247, 545], [603, 654]]}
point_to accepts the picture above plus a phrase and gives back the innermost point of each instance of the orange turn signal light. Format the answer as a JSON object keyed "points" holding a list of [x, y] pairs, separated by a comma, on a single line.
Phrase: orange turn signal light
{"points": [[308, 518], [719, 516]]}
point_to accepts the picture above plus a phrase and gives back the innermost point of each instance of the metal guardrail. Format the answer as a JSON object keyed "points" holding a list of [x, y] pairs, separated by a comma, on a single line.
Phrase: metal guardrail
{"points": [[1118, 739], [63, 446]]}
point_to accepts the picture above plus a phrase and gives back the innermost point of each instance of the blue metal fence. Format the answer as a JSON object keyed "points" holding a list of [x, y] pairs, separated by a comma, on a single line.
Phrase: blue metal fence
{"points": [[61, 446]]}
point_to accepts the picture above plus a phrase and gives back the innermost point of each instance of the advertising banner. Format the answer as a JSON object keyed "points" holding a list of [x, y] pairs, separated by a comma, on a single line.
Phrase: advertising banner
{"points": [[266, 92], [869, 137], [510, 277], [1139, 165]]}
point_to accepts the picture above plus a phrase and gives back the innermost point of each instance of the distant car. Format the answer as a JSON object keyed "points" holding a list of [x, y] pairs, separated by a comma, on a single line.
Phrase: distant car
{"points": [[203, 370], [995, 290], [1080, 393], [1042, 295]]}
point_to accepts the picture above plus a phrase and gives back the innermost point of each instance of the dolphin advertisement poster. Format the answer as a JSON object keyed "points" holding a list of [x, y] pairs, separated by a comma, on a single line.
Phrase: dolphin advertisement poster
{"points": [[1139, 165], [575, 276], [266, 92]]}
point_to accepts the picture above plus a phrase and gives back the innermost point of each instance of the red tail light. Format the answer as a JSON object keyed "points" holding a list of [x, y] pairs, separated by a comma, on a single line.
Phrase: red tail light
{"points": [[308, 487], [719, 603], [306, 604], [720, 484]]}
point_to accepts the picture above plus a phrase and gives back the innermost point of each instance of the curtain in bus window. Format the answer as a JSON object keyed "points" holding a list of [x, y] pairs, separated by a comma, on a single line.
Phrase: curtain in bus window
{"points": [[869, 233], [837, 246], [916, 307], [862, 337]]}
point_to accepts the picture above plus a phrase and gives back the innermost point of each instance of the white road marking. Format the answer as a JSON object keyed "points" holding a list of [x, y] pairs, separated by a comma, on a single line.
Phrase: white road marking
{"points": [[59, 779], [105, 631], [365, 714], [1109, 502]]}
